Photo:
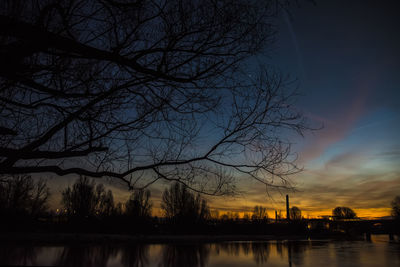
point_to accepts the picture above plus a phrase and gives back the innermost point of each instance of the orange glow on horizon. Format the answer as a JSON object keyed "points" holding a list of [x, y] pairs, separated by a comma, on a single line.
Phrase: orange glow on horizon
{"points": [[373, 213]]}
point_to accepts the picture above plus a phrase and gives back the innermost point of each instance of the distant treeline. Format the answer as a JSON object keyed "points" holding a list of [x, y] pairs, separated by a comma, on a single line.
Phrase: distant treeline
{"points": [[87, 206], [22, 196]]}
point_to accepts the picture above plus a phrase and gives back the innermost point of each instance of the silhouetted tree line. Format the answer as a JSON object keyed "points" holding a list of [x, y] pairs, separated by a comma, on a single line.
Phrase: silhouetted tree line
{"points": [[21, 196], [343, 213], [85, 199], [182, 206], [87, 206], [259, 214]]}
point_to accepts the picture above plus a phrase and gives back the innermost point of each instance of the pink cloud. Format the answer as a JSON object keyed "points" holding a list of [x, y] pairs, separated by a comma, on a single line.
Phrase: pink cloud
{"points": [[340, 123]]}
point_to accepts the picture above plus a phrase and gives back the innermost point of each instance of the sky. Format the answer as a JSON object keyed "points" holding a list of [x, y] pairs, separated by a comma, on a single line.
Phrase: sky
{"points": [[345, 59]]}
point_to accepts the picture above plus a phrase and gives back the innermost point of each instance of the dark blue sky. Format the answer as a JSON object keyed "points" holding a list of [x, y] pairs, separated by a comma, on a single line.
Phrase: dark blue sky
{"points": [[346, 59], [334, 46]]}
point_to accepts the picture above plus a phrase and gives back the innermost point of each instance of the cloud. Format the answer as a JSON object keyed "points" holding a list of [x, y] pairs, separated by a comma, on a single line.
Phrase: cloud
{"points": [[341, 119], [346, 161], [390, 153], [369, 194], [358, 191]]}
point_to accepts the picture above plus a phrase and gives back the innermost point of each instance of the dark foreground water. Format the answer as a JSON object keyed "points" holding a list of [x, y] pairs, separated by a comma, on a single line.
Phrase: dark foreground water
{"points": [[377, 252]]}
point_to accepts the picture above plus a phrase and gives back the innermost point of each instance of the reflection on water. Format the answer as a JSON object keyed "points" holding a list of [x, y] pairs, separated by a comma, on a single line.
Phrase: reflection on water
{"points": [[260, 252], [25, 255], [86, 256], [274, 253], [181, 255], [135, 255]]}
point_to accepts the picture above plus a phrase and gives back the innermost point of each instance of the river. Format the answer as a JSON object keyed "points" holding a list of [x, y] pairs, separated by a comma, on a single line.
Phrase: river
{"points": [[379, 251]]}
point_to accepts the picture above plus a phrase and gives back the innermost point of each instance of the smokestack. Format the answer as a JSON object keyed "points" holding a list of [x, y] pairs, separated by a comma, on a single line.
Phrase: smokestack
{"points": [[287, 208], [276, 216]]}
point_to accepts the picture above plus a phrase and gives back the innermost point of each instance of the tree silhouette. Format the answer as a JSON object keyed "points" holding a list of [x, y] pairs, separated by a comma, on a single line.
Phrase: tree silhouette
{"points": [[343, 213], [117, 88], [138, 206], [85, 199], [396, 208], [295, 213], [21, 195], [246, 217], [105, 201], [229, 217], [182, 206], [259, 213]]}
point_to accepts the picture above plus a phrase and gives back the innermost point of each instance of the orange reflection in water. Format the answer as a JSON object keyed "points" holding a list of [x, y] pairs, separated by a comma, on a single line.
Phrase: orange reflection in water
{"points": [[379, 251]]}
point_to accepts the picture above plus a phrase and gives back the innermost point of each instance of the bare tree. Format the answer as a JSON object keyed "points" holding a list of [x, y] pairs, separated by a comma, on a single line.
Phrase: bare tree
{"points": [[105, 201], [295, 213], [85, 199], [182, 206], [139, 205], [21, 195], [343, 213], [259, 213], [144, 90]]}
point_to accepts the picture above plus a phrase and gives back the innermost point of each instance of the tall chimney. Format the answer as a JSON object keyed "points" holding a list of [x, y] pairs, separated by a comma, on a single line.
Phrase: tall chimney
{"points": [[287, 208]]}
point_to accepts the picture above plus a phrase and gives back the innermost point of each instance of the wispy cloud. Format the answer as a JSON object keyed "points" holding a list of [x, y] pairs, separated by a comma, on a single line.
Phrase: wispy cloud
{"points": [[341, 119]]}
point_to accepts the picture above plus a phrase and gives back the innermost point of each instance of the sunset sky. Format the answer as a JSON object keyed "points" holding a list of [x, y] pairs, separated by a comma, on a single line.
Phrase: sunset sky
{"points": [[346, 59]]}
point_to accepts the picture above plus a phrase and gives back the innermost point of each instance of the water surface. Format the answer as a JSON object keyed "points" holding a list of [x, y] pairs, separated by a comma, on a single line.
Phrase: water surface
{"points": [[377, 252]]}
